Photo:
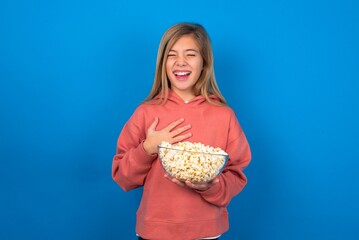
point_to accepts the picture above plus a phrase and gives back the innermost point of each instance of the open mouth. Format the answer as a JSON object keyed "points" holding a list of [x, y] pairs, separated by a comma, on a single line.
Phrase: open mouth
{"points": [[181, 74]]}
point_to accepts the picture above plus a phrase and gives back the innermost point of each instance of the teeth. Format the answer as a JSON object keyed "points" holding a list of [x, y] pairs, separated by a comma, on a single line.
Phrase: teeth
{"points": [[182, 73]]}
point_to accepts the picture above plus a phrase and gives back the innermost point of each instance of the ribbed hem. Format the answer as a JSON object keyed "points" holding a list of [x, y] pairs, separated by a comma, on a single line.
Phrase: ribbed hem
{"points": [[190, 230]]}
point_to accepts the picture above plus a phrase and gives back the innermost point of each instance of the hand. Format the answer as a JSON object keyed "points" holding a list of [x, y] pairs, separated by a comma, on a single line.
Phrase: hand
{"points": [[203, 186], [168, 134]]}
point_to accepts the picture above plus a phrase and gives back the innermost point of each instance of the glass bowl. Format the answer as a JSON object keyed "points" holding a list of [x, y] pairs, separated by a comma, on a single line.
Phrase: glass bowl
{"points": [[191, 165]]}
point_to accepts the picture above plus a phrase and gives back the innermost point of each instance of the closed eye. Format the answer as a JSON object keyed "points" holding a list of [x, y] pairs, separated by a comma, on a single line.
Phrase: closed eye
{"points": [[191, 53]]}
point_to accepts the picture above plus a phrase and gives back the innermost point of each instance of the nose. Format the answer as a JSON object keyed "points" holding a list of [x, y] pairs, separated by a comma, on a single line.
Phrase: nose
{"points": [[181, 61]]}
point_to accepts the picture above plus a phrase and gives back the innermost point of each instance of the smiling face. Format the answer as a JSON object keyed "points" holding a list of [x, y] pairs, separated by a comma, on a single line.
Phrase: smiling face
{"points": [[184, 66]]}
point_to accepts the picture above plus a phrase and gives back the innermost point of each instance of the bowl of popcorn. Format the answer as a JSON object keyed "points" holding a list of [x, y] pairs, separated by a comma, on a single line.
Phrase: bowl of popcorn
{"points": [[194, 162]]}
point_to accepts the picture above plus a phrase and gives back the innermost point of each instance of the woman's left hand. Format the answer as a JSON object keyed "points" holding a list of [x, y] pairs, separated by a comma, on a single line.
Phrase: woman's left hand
{"points": [[202, 186]]}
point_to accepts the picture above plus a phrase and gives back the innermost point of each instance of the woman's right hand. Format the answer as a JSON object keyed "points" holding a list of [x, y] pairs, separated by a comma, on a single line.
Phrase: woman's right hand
{"points": [[169, 134]]}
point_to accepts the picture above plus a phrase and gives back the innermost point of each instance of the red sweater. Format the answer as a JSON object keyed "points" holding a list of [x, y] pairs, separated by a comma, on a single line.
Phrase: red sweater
{"points": [[168, 211]]}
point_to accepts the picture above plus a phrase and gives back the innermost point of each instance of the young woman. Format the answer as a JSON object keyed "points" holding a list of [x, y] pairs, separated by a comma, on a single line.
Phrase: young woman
{"points": [[185, 104]]}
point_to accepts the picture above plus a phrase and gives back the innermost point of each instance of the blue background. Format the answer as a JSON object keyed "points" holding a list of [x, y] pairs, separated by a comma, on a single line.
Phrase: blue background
{"points": [[72, 73]]}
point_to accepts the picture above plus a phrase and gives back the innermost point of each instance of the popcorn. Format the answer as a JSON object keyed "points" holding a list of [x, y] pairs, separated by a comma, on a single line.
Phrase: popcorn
{"points": [[192, 161]]}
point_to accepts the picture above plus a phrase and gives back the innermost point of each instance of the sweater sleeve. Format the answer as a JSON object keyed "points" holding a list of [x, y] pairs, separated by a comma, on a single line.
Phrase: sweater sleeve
{"points": [[131, 162], [232, 180]]}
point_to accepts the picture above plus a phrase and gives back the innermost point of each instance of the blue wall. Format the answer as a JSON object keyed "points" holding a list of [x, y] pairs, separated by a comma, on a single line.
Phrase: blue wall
{"points": [[72, 72]]}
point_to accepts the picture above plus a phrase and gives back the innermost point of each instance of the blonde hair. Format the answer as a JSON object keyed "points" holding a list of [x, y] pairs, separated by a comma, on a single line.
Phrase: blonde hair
{"points": [[206, 85]]}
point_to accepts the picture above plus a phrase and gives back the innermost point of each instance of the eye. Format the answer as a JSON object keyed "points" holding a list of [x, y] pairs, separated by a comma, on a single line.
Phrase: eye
{"points": [[171, 54], [191, 54]]}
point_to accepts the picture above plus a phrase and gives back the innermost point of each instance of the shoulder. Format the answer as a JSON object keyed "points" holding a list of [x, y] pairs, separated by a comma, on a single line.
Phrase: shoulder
{"points": [[223, 109], [143, 111], [144, 106], [228, 113]]}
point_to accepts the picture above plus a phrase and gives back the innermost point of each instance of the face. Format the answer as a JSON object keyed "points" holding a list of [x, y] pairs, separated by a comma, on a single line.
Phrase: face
{"points": [[184, 66]]}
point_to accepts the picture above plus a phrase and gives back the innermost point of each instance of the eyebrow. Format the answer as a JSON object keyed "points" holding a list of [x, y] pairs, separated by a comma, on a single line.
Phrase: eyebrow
{"points": [[187, 50]]}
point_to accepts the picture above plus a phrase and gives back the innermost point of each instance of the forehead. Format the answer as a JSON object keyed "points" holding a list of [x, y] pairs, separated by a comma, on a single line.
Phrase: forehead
{"points": [[186, 42]]}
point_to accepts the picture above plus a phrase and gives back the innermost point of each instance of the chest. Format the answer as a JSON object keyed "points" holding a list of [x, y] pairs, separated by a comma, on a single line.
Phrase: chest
{"points": [[208, 126]]}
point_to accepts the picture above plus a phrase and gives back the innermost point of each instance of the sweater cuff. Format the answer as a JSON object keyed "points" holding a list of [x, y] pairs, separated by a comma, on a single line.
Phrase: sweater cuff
{"points": [[211, 191], [146, 155]]}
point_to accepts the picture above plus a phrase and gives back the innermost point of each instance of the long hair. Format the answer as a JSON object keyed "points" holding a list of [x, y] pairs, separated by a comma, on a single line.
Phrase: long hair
{"points": [[206, 85]]}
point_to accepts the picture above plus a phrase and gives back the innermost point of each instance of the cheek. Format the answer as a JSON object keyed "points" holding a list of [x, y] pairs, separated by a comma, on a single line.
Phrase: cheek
{"points": [[168, 66], [199, 66], [199, 63]]}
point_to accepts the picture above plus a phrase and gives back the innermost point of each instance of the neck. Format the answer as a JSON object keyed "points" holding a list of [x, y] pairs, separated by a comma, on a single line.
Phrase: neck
{"points": [[186, 97]]}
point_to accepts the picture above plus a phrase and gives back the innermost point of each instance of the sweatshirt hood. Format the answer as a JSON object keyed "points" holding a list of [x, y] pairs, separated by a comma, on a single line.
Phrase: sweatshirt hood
{"points": [[176, 99]]}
